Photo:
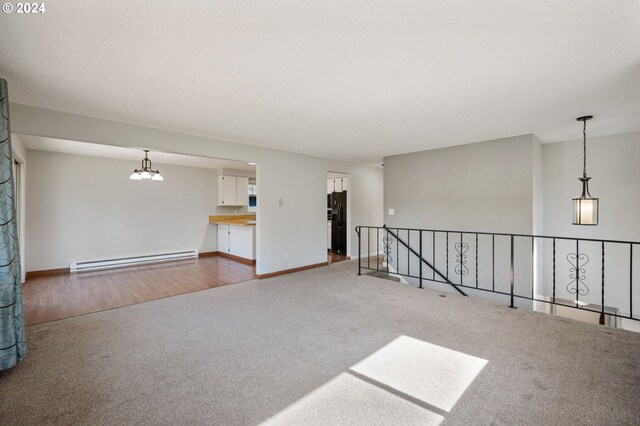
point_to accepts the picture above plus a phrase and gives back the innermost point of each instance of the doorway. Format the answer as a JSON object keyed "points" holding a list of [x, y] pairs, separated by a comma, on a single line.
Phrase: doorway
{"points": [[163, 235], [337, 217]]}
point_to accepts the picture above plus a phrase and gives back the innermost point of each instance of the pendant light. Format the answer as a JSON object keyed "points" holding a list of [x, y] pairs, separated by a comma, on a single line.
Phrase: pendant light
{"points": [[585, 208], [146, 172]]}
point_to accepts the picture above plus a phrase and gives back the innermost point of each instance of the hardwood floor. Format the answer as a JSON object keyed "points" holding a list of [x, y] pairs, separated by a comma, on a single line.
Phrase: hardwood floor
{"points": [[335, 258], [53, 297]]}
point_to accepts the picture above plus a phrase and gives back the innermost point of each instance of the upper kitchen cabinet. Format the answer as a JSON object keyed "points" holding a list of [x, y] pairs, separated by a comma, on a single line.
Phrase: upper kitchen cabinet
{"points": [[233, 191], [337, 185], [242, 191]]}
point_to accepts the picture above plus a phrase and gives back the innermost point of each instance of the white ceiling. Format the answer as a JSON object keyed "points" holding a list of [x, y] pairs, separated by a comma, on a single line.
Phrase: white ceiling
{"points": [[353, 80], [107, 151]]}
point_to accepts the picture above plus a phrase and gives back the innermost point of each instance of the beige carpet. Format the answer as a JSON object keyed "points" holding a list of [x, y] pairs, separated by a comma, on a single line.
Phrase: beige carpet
{"points": [[318, 347]]}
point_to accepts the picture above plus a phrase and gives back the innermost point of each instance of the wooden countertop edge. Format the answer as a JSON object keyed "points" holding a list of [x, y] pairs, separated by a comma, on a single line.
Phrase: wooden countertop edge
{"points": [[217, 222], [238, 220]]}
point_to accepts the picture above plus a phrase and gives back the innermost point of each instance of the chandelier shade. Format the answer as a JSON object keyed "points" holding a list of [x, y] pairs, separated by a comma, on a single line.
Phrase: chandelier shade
{"points": [[585, 208], [146, 171]]}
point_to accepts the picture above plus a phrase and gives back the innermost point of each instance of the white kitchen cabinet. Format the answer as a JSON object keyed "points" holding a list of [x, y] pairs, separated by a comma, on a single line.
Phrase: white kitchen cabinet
{"points": [[237, 240], [337, 185], [223, 238], [227, 191], [242, 241], [233, 191], [242, 191]]}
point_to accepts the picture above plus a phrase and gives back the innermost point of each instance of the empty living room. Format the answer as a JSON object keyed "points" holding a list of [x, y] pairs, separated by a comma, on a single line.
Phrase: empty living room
{"points": [[320, 213]]}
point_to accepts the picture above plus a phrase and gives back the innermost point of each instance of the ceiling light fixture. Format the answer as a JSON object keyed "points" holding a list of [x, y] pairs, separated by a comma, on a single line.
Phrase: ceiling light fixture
{"points": [[585, 208], [146, 172]]}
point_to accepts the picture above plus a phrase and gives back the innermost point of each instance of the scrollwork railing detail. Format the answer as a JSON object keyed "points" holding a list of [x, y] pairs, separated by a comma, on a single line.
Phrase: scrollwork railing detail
{"points": [[577, 273]]}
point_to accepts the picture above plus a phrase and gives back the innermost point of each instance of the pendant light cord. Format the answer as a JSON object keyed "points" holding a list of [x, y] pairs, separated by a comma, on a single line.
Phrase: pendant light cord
{"points": [[584, 143]]}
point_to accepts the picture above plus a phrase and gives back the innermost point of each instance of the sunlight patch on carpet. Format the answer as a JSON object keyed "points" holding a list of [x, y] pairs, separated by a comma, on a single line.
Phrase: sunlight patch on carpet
{"points": [[347, 400], [430, 373]]}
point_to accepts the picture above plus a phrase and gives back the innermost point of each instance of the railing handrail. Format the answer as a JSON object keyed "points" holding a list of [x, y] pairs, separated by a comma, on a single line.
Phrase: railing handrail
{"points": [[426, 262], [503, 234]]}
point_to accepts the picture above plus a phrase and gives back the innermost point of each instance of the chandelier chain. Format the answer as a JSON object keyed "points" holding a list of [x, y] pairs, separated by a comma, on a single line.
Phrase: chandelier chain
{"points": [[584, 143]]}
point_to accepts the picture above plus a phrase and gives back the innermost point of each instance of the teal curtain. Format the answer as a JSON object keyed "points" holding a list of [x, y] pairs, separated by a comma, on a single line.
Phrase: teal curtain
{"points": [[13, 341]]}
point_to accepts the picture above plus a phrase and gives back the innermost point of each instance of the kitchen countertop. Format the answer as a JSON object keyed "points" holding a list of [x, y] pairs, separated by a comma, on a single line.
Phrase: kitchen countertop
{"points": [[235, 219]]}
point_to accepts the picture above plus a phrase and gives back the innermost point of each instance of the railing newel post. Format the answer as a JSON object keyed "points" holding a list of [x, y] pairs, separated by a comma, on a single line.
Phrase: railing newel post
{"points": [[631, 280], [577, 273], [602, 289], [476, 260], [368, 247], [462, 258], [433, 255], [533, 244], [493, 262], [359, 251], [377, 249], [387, 247], [447, 271], [408, 246], [512, 274], [397, 254], [553, 299], [420, 258]]}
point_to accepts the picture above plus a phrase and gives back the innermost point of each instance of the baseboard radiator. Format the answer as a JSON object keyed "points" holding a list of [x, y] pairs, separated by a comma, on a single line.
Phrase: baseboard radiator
{"points": [[131, 261]]}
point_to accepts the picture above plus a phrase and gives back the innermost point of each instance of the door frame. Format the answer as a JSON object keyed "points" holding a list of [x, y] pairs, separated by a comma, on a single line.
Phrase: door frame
{"points": [[21, 195]]}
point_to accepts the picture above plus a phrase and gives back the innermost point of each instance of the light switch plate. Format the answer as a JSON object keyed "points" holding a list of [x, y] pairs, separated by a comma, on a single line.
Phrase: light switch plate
{"points": [[392, 212], [280, 202]]}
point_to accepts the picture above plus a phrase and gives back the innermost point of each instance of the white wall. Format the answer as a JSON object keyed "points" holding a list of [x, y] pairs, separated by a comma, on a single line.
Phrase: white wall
{"points": [[302, 230], [485, 186], [85, 208], [299, 227]]}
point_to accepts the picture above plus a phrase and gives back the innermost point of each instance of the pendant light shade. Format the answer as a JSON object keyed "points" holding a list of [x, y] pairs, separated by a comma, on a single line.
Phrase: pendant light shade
{"points": [[586, 207], [146, 172]]}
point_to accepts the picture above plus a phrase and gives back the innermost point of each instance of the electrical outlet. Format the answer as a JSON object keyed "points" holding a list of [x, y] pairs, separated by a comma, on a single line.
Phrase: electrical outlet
{"points": [[392, 212], [178, 244], [280, 202], [284, 256]]}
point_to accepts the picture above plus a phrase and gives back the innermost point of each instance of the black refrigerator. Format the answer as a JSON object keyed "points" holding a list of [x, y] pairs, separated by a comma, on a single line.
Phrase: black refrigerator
{"points": [[339, 222]]}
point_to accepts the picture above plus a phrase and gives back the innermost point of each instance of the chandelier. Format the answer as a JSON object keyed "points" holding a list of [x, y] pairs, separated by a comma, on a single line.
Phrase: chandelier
{"points": [[146, 172]]}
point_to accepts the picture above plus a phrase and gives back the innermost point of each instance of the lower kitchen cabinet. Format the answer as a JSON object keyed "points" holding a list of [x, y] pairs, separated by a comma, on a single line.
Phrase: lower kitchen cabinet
{"points": [[237, 240]]}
